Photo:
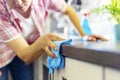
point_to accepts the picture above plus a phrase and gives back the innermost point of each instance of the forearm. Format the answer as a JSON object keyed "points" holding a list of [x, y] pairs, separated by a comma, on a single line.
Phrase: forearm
{"points": [[75, 20], [27, 53], [31, 53]]}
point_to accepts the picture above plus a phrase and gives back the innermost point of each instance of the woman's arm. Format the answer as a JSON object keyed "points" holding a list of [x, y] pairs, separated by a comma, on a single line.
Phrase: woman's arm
{"points": [[75, 20], [29, 53]]}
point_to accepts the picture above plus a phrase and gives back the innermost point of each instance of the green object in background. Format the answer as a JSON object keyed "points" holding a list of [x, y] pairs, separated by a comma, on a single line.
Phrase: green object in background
{"points": [[113, 8]]}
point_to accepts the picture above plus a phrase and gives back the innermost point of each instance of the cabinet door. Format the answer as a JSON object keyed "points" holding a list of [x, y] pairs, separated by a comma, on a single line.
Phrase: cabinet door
{"points": [[79, 70], [112, 74]]}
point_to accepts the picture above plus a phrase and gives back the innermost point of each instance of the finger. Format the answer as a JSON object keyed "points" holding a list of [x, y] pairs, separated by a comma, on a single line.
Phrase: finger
{"points": [[56, 38], [103, 39], [98, 37], [52, 45], [49, 53], [91, 39]]}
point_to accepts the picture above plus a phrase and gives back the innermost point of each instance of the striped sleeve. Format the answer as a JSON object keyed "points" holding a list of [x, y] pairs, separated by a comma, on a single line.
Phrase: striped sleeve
{"points": [[57, 5], [7, 30]]}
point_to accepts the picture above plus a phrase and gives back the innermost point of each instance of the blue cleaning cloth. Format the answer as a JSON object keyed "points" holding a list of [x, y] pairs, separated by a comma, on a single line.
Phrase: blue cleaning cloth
{"points": [[57, 63]]}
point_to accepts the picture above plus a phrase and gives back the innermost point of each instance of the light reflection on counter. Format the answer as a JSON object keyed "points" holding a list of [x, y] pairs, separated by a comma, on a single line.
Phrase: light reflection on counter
{"points": [[98, 45]]}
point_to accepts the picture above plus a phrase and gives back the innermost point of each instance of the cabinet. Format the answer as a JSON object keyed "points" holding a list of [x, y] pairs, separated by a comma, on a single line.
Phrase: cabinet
{"points": [[79, 70], [112, 74]]}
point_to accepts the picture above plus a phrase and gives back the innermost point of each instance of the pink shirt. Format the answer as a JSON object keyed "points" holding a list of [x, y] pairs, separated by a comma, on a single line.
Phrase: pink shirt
{"points": [[10, 24]]}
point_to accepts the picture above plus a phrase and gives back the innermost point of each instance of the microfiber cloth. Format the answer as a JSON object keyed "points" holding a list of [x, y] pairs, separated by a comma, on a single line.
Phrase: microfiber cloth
{"points": [[57, 63]]}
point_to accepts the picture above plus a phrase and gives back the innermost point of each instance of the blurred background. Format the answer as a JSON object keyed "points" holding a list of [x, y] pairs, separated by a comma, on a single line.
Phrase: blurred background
{"points": [[101, 24]]}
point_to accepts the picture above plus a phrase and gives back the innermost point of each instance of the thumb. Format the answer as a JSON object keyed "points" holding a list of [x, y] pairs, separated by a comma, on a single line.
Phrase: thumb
{"points": [[55, 37], [58, 38]]}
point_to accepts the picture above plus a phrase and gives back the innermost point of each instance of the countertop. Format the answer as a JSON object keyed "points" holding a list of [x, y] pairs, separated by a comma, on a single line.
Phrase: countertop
{"points": [[102, 53]]}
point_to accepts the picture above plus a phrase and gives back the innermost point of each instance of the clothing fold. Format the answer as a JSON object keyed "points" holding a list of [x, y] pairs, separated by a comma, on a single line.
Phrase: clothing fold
{"points": [[57, 63]]}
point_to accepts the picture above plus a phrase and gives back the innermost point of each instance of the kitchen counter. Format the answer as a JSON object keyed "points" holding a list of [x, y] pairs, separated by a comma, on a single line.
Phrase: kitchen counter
{"points": [[101, 53], [87, 61]]}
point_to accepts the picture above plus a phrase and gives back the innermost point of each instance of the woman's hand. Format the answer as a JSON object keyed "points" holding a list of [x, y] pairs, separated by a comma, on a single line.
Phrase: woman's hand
{"points": [[46, 42], [94, 37]]}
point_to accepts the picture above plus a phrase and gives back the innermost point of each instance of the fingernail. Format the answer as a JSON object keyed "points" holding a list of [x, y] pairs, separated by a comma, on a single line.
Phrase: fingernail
{"points": [[55, 48], [55, 56]]}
